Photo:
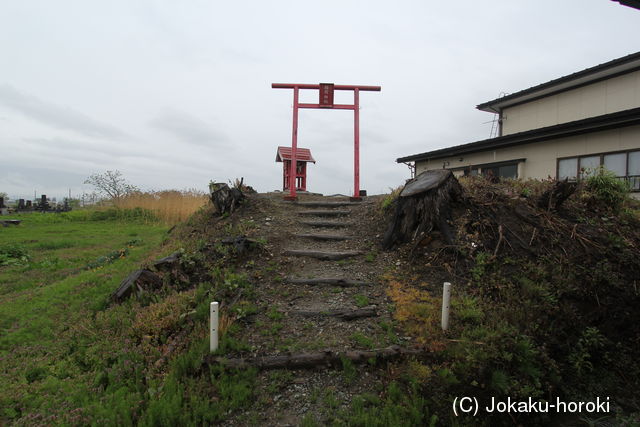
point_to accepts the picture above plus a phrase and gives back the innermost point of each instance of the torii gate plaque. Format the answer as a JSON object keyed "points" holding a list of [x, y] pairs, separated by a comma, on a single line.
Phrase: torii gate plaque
{"points": [[325, 91]]}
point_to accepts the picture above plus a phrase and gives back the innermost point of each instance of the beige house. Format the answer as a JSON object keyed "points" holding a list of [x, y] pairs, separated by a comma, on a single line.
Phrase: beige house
{"points": [[562, 128]]}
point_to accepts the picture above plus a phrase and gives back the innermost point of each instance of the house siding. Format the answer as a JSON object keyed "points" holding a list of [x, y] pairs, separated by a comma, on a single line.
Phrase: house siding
{"points": [[604, 97]]}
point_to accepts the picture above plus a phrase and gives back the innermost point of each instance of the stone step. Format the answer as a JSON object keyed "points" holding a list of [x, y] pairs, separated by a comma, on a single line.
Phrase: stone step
{"points": [[335, 237], [318, 212], [327, 224], [332, 281], [322, 255], [327, 204]]}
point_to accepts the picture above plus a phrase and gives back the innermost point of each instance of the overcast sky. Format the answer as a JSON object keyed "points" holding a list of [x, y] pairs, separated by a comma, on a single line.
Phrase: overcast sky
{"points": [[175, 94]]}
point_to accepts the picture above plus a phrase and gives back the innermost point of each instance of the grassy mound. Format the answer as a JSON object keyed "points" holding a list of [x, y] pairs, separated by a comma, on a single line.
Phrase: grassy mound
{"points": [[545, 303]]}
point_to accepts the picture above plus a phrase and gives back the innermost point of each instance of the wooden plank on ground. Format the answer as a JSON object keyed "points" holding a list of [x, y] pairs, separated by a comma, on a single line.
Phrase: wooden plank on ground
{"points": [[325, 358], [331, 281], [323, 236], [322, 255], [319, 212], [343, 314], [327, 224], [327, 204]]}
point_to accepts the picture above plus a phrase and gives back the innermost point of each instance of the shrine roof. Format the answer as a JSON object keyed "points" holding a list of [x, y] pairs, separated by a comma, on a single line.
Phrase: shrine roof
{"points": [[302, 154]]}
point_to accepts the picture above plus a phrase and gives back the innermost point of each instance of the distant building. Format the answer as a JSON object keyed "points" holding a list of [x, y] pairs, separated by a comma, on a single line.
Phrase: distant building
{"points": [[559, 129]]}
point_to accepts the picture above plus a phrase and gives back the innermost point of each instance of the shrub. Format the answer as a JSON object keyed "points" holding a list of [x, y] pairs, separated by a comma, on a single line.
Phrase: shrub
{"points": [[606, 189]]}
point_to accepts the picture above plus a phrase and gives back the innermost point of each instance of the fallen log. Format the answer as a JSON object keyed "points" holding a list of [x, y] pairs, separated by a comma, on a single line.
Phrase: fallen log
{"points": [[138, 281], [327, 358], [325, 256], [328, 281], [424, 205], [345, 314]]}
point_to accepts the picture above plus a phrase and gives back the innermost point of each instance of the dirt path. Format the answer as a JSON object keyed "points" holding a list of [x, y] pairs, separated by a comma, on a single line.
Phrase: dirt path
{"points": [[303, 290]]}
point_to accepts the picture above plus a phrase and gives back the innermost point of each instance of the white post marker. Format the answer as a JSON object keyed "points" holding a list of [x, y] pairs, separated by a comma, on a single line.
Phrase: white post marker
{"points": [[446, 299], [213, 341]]}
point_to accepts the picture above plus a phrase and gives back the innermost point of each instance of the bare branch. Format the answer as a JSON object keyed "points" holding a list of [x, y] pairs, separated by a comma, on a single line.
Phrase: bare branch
{"points": [[111, 184]]}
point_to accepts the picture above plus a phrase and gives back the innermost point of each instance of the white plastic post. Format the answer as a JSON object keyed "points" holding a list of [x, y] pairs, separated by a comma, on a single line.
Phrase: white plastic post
{"points": [[446, 298], [213, 341]]}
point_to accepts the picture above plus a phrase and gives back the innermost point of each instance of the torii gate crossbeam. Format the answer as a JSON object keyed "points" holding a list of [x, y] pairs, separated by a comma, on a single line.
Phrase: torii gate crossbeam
{"points": [[326, 102]]}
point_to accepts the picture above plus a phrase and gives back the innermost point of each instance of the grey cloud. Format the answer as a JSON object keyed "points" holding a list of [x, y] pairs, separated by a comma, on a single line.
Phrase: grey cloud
{"points": [[60, 145], [188, 128], [55, 115]]}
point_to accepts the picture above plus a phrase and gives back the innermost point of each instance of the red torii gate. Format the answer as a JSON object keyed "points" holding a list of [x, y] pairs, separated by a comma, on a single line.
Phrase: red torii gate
{"points": [[326, 101]]}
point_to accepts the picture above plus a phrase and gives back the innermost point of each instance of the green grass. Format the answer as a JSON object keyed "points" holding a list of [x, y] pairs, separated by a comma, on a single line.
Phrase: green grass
{"points": [[362, 340], [70, 357], [361, 300], [60, 248], [47, 351]]}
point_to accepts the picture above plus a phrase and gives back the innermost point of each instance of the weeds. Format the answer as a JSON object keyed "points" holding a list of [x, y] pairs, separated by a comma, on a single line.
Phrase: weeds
{"points": [[13, 254], [349, 371], [398, 407], [169, 207], [370, 257], [606, 189], [361, 300], [387, 201], [362, 340], [107, 259], [478, 271]]}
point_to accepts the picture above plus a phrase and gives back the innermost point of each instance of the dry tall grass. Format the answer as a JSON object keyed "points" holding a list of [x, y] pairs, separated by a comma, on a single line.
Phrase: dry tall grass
{"points": [[170, 206]]}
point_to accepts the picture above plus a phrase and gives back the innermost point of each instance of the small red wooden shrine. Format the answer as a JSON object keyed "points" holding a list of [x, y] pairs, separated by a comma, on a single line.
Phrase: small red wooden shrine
{"points": [[303, 156]]}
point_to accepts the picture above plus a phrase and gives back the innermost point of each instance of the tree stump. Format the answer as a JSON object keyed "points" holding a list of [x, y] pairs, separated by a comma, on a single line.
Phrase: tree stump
{"points": [[554, 197], [424, 205], [225, 198]]}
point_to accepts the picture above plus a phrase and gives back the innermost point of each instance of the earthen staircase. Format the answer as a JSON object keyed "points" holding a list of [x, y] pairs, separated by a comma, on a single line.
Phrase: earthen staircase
{"points": [[326, 237]]}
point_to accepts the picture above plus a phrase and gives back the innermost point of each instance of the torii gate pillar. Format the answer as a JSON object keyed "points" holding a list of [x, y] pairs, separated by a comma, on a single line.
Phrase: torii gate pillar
{"points": [[326, 102]]}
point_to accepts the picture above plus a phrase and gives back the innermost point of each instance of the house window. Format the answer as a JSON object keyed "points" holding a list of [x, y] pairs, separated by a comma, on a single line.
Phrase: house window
{"points": [[470, 171], [616, 163], [502, 171], [588, 165], [568, 168], [625, 165]]}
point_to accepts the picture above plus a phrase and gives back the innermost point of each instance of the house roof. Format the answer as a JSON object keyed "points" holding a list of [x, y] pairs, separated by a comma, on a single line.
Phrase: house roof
{"points": [[302, 154], [592, 124], [610, 69], [630, 3]]}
